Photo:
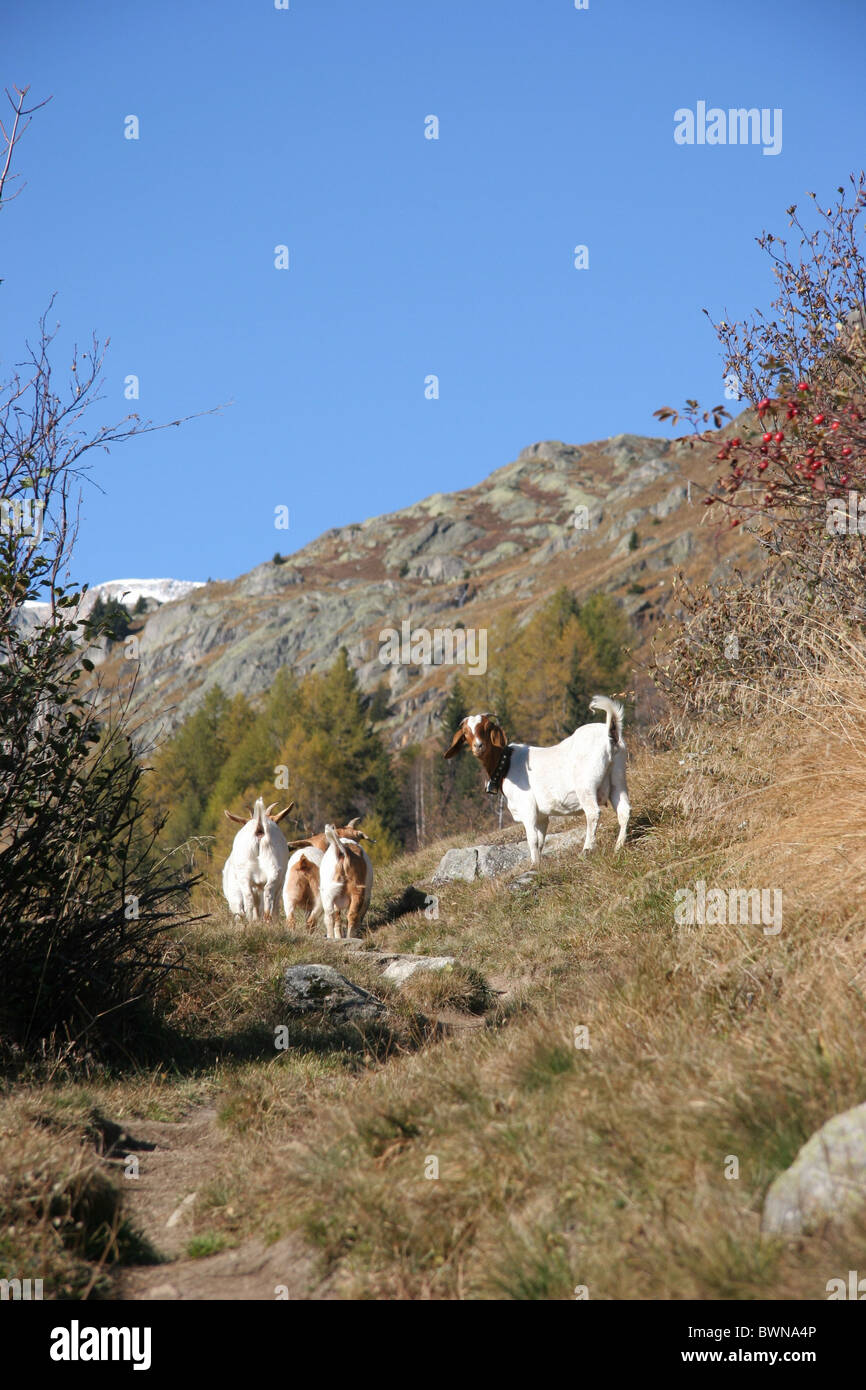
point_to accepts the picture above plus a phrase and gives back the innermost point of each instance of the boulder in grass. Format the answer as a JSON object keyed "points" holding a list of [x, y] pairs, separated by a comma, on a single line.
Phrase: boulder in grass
{"points": [[492, 861], [524, 882], [320, 989], [457, 865], [496, 860], [404, 967], [826, 1181]]}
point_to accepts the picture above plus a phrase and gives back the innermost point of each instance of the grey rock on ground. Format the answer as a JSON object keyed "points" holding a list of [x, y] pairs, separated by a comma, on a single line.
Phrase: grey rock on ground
{"points": [[524, 881], [495, 860], [316, 989], [403, 967], [491, 861], [826, 1181], [457, 865]]}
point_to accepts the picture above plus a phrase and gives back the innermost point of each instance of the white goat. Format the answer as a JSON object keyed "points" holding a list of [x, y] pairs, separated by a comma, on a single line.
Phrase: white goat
{"points": [[345, 884], [581, 773], [231, 889], [254, 871]]}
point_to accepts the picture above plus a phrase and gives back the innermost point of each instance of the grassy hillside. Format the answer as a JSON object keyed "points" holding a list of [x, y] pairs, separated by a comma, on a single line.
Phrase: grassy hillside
{"points": [[601, 1166]]}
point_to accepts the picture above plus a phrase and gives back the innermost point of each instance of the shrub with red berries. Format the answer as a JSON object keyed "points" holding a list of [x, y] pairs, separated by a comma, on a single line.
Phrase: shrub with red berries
{"points": [[800, 454]]}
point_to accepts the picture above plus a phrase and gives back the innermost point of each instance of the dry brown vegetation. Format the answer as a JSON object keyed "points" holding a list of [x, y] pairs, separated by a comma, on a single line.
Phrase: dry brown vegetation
{"points": [[559, 1166]]}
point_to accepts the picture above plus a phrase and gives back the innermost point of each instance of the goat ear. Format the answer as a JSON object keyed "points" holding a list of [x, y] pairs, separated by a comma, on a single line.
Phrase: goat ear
{"points": [[240, 820], [497, 734], [457, 741], [279, 816]]}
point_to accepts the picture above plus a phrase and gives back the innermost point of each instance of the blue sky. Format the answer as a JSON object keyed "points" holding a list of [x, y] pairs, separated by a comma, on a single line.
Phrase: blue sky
{"points": [[408, 256]]}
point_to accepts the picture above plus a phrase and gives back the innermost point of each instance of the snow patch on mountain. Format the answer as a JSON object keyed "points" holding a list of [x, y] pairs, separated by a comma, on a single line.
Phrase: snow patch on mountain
{"points": [[127, 592]]}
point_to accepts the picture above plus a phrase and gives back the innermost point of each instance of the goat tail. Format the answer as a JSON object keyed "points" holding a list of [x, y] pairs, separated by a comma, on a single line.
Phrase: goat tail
{"points": [[615, 716], [333, 840]]}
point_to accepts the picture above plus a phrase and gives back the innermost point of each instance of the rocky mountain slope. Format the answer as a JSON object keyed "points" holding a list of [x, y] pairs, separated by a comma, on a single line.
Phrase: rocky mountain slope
{"points": [[619, 515]]}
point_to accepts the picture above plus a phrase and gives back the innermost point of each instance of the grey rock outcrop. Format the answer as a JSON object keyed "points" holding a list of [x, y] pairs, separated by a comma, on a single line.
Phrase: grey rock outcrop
{"points": [[438, 569], [673, 553], [457, 865], [492, 861], [320, 989], [670, 502], [404, 967], [826, 1181]]}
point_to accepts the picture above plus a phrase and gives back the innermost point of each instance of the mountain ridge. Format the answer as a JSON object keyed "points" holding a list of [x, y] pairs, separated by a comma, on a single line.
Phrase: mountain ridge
{"points": [[619, 515]]}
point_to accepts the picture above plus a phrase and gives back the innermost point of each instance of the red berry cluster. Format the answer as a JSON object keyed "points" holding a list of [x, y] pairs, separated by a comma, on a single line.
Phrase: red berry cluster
{"points": [[818, 453]]}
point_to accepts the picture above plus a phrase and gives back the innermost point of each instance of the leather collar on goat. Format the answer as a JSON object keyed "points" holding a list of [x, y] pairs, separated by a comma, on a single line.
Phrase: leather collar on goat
{"points": [[494, 783]]}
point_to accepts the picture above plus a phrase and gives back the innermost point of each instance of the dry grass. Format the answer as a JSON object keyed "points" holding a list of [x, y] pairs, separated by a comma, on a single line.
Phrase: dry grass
{"points": [[62, 1207], [563, 1165]]}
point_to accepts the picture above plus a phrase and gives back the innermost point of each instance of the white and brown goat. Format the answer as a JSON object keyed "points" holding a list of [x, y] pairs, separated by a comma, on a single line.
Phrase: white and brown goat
{"points": [[301, 888], [580, 774], [345, 832], [345, 883]]}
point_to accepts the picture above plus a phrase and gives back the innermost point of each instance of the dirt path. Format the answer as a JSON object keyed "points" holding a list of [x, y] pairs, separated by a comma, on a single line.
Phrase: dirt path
{"points": [[175, 1162]]}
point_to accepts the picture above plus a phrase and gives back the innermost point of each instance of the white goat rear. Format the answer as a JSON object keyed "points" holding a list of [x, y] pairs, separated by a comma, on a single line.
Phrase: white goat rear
{"points": [[254, 871]]}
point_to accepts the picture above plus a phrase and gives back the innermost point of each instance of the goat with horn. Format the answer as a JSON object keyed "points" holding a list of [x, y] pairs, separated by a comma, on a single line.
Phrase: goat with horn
{"points": [[254, 871]]}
